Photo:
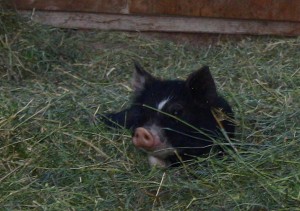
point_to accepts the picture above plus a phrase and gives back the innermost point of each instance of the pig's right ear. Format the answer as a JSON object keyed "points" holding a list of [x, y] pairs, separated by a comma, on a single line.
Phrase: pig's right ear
{"points": [[202, 87], [140, 77]]}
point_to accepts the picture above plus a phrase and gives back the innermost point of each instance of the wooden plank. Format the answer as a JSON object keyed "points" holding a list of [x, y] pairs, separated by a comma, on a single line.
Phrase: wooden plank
{"points": [[164, 23], [277, 10], [103, 6]]}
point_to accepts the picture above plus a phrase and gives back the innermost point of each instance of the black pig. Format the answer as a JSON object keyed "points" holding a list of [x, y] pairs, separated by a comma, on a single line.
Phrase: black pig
{"points": [[174, 120]]}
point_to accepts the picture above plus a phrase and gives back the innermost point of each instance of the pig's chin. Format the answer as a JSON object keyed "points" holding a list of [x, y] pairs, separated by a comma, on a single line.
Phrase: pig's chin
{"points": [[158, 157], [161, 151]]}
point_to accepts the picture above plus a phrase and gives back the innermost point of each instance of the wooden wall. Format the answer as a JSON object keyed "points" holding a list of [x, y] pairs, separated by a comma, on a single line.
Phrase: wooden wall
{"points": [[273, 17]]}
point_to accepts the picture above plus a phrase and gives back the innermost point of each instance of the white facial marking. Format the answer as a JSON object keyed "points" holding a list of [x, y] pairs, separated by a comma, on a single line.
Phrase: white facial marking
{"points": [[162, 104], [154, 161]]}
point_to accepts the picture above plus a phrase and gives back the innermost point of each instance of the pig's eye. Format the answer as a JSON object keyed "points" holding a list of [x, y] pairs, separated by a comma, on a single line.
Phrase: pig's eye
{"points": [[176, 109]]}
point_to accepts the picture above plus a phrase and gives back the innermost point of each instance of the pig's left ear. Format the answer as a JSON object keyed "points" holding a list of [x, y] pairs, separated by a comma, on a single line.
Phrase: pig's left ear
{"points": [[140, 77], [202, 87]]}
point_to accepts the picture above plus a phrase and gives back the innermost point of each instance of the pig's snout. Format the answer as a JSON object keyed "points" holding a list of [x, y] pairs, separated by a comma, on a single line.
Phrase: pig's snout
{"points": [[143, 138]]}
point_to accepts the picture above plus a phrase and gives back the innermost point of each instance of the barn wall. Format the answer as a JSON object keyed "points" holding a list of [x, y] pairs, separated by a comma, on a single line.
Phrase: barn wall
{"points": [[276, 10], [272, 17]]}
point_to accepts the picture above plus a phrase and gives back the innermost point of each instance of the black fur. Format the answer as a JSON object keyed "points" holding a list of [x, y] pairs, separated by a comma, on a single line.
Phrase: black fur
{"points": [[186, 121]]}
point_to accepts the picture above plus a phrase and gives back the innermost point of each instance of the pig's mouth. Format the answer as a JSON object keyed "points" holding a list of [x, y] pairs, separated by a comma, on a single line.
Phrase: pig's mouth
{"points": [[150, 141]]}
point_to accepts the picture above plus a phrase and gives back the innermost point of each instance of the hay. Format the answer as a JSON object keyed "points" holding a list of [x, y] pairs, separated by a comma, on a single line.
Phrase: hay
{"points": [[52, 157]]}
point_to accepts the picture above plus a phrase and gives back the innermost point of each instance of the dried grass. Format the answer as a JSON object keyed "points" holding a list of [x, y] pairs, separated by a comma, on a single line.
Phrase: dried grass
{"points": [[52, 158]]}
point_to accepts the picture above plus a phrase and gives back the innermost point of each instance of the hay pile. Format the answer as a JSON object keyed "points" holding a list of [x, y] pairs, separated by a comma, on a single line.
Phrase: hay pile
{"points": [[52, 157]]}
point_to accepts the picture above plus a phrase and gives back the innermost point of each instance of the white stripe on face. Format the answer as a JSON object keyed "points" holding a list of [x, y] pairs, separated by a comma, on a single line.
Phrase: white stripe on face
{"points": [[162, 104]]}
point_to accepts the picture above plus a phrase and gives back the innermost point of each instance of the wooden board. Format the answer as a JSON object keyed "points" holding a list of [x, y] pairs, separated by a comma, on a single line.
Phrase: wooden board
{"points": [[276, 10], [268, 17], [163, 23], [103, 6]]}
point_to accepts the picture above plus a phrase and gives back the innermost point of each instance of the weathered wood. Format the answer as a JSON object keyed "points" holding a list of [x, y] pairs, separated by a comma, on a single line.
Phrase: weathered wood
{"points": [[103, 6], [277, 10], [164, 23]]}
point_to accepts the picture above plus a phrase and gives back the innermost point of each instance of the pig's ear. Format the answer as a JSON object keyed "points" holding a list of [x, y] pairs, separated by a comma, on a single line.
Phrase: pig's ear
{"points": [[140, 77], [202, 87]]}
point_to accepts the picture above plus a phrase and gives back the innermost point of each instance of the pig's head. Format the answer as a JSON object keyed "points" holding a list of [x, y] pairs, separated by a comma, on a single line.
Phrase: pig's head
{"points": [[174, 119]]}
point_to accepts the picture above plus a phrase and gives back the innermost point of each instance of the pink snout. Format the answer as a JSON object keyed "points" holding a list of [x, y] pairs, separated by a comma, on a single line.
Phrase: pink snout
{"points": [[142, 138]]}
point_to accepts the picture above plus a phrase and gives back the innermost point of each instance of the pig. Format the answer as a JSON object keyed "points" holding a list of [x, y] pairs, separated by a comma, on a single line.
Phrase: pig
{"points": [[175, 121]]}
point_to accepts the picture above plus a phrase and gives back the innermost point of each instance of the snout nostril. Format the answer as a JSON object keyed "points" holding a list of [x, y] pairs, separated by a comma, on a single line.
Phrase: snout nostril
{"points": [[143, 138], [147, 137]]}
